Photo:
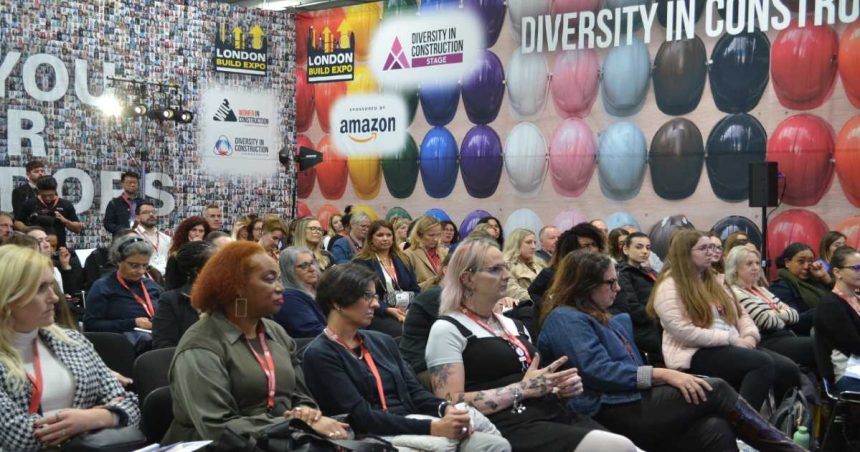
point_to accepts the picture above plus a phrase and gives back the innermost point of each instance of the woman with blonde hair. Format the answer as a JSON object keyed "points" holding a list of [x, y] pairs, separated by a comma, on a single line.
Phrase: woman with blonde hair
{"points": [[487, 360], [705, 331], [240, 229], [425, 254], [53, 385], [401, 232], [309, 234], [772, 317], [520, 248]]}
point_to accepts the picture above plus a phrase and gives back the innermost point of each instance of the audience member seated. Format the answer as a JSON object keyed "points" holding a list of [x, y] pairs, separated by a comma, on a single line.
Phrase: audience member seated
{"points": [[214, 217], [218, 239], [345, 248], [737, 238], [309, 234], [300, 314], [636, 281], [494, 229], [124, 301], [425, 254], [771, 316], [70, 268], [838, 318], [520, 255], [716, 252], [174, 314], [394, 278], [802, 283], [401, 227], [416, 329], [487, 360], [54, 385], [342, 363], [831, 242], [338, 227], [581, 236], [548, 236], [450, 234], [659, 409], [617, 238], [7, 222], [234, 367], [706, 331], [255, 230], [45, 248], [273, 236], [98, 262], [191, 229], [240, 229]]}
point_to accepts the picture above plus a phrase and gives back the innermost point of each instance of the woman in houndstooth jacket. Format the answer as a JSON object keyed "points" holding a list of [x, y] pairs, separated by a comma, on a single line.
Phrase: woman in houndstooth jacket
{"points": [[53, 385]]}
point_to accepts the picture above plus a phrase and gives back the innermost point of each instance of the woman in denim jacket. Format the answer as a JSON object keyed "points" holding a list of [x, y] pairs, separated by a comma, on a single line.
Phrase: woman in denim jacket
{"points": [[646, 404]]}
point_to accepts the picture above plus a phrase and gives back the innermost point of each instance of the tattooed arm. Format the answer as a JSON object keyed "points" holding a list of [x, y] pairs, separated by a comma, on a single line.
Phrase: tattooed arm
{"points": [[448, 381]]}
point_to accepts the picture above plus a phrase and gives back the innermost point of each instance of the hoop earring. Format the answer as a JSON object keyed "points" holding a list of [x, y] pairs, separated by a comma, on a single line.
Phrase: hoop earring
{"points": [[241, 307]]}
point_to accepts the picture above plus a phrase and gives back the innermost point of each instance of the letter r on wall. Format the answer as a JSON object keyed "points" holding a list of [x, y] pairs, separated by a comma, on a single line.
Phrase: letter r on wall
{"points": [[16, 133]]}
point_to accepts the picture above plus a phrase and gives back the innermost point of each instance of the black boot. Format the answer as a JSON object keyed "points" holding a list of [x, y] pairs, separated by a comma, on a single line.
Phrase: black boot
{"points": [[756, 431]]}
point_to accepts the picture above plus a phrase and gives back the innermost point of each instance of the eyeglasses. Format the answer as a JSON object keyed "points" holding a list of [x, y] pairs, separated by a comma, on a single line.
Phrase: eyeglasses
{"points": [[494, 270], [136, 266], [305, 265], [315, 229], [611, 282], [856, 268], [707, 248], [370, 296]]}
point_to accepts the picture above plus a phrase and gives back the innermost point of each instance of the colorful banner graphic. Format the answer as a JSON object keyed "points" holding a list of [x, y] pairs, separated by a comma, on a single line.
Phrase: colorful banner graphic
{"points": [[240, 50]]}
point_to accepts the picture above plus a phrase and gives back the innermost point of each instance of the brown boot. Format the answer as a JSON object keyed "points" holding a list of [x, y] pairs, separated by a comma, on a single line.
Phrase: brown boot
{"points": [[756, 431]]}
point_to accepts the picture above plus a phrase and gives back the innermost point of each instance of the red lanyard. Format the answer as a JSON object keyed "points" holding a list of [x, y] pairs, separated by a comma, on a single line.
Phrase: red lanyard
{"points": [[53, 206], [268, 365], [125, 198], [368, 358], [147, 304], [756, 293], [848, 300], [36, 380], [435, 262], [650, 275], [626, 344], [511, 339], [141, 232]]}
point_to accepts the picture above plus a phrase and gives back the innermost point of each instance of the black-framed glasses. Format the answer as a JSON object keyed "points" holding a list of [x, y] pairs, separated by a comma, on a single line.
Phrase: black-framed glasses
{"points": [[611, 282], [856, 268], [370, 296]]}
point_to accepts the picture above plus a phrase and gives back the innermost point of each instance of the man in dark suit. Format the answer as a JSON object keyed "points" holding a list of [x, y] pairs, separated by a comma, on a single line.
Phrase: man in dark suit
{"points": [[119, 213], [35, 170]]}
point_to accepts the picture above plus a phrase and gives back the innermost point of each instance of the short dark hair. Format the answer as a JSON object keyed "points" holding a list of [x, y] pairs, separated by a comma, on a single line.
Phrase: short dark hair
{"points": [[46, 183], [590, 231], [211, 206], [840, 256], [128, 174], [343, 285], [145, 202], [34, 164], [634, 235]]}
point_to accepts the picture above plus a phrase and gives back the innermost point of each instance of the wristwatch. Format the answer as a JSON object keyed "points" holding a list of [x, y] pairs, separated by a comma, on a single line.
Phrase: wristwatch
{"points": [[442, 407]]}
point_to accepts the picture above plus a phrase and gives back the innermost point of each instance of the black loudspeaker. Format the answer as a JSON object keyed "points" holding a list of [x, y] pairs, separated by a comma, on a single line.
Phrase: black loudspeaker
{"points": [[763, 178]]}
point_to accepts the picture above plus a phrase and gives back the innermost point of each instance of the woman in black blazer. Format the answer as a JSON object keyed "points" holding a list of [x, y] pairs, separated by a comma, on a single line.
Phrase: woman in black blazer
{"points": [[837, 319], [174, 314], [361, 373], [386, 260]]}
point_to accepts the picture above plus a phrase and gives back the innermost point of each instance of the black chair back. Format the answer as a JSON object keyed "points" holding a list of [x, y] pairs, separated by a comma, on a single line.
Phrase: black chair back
{"points": [[823, 350], [115, 350], [302, 343], [150, 370], [156, 414]]}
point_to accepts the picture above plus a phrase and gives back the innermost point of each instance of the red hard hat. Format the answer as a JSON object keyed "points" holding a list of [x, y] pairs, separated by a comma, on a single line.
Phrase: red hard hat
{"points": [[849, 62], [803, 65], [847, 156], [803, 146]]}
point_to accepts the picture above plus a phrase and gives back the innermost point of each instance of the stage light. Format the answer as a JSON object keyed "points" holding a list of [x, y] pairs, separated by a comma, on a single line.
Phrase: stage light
{"points": [[109, 105], [138, 110], [185, 117], [168, 114]]}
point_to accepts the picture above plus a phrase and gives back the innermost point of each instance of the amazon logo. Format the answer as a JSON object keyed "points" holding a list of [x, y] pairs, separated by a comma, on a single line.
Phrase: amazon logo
{"points": [[366, 130]]}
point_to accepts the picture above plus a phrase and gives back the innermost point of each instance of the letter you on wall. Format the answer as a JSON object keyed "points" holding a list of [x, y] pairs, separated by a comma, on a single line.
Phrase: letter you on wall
{"points": [[241, 51]]}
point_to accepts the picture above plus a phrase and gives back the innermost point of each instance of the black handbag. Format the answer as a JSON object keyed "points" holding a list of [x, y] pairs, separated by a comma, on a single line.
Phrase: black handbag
{"points": [[294, 436], [122, 439]]}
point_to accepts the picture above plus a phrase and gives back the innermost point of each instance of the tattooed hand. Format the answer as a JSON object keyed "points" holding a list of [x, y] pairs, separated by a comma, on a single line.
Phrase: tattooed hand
{"points": [[540, 382]]}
